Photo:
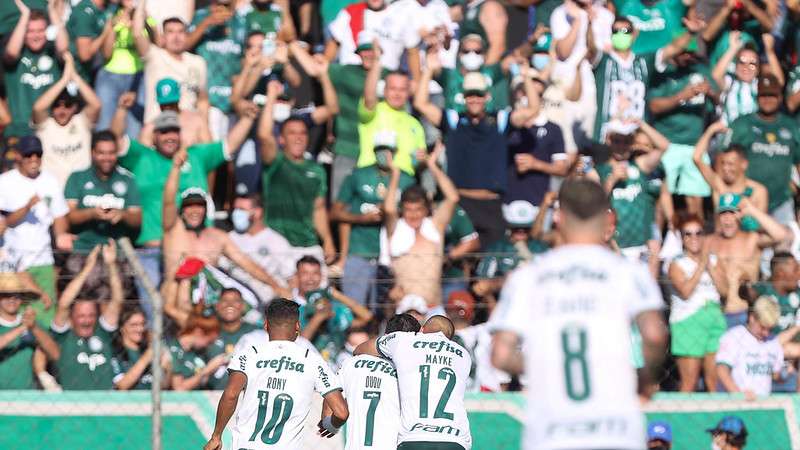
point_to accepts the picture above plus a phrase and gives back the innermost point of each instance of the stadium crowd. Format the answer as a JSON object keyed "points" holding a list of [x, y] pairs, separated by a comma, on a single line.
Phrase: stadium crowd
{"points": [[371, 158]]}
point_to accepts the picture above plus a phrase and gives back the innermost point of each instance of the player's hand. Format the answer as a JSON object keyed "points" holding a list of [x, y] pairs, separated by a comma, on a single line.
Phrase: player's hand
{"points": [[215, 443], [326, 428]]}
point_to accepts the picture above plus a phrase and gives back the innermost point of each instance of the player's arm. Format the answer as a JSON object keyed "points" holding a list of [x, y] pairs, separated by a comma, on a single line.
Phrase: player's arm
{"points": [[339, 413], [367, 348], [226, 407], [654, 343], [506, 354]]}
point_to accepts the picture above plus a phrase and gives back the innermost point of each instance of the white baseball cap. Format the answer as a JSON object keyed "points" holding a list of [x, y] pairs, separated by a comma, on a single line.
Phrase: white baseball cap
{"points": [[412, 302], [519, 213]]}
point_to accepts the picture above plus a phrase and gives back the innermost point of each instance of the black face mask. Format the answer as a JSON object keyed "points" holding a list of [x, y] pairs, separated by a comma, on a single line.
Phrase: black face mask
{"points": [[196, 229]]}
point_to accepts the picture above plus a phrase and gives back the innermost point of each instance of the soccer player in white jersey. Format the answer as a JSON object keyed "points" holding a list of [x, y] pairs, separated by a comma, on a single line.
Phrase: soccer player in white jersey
{"points": [[278, 378], [370, 388], [432, 376], [573, 308]]}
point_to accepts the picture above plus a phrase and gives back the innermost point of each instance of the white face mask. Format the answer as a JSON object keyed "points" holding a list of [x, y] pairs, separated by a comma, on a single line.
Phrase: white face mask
{"points": [[281, 111], [241, 220], [471, 61]]}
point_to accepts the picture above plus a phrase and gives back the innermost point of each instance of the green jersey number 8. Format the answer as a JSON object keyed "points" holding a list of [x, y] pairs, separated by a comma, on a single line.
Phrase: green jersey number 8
{"points": [[574, 344]]}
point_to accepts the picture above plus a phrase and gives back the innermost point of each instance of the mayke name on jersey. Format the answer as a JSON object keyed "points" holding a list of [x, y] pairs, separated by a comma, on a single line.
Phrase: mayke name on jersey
{"points": [[376, 366], [439, 346], [279, 364]]}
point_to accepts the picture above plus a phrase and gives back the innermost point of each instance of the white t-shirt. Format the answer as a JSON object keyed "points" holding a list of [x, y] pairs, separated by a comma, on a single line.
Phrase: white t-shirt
{"points": [[370, 387], [394, 27], [67, 149], [478, 341], [432, 374], [573, 308], [752, 361], [705, 291], [30, 239], [281, 379], [189, 71]]}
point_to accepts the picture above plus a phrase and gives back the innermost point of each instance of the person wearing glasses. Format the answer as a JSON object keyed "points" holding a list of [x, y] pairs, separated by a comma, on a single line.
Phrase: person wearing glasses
{"points": [[740, 86], [696, 320]]}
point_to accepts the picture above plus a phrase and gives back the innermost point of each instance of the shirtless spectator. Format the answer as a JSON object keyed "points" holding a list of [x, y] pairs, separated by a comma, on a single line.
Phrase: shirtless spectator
{"points": [[194, 125], [730, 170], [416, 238], [739, 251], [187, 236]]}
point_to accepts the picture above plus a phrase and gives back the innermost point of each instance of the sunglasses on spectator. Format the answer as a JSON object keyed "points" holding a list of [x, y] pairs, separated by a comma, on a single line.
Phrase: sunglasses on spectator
{"points": [[623, 30], [476, 51], [690, 233], [36, 153], [474, 94]]}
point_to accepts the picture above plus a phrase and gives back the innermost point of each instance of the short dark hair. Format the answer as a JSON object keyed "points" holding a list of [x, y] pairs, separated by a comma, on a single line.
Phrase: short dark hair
{"points": [[402, 322], [686, 218], [736, 148], [292, 118], [779, 258], [38, 14], [398, 73], [229, 290], [173, 19], [103, 136], [308, 259], [415, 194], [622, 19], [282, 312], [585, 199]]}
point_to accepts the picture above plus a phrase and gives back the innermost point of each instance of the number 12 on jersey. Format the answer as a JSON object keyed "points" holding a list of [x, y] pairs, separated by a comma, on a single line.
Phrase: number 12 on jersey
{"points": [[281, 410], [574, 344], [445, 373]]}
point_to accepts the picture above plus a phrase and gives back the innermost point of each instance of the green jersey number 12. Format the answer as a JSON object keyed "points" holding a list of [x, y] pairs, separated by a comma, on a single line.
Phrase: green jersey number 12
{"points": [[445, 373]]}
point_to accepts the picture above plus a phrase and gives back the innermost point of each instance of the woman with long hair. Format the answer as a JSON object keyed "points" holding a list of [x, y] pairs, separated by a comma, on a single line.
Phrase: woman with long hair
{"points": [[132, 353], [696, 320], [190, 369]]}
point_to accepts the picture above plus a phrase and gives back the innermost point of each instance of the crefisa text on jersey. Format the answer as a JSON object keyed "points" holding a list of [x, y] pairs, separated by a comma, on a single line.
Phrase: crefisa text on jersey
{"points": [[438, 347]]}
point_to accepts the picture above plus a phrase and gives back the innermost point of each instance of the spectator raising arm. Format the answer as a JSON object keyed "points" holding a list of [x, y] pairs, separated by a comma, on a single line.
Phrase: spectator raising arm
{"points": [[269, 147], [444, 212], [73, 289], [239, 132], [701, 148], [371, 81], [41, 109], [17, 40], [235, 254], [43, 339], [322, 226], [112, 310], [169, 216], [87, 47], [55, 10], [649, 161], [361, 313], [390, 211], [772, 58], [494, 20], [5, 116], [119, 121], [140, 37], [219, 15], [422, 101], [319, 68]]}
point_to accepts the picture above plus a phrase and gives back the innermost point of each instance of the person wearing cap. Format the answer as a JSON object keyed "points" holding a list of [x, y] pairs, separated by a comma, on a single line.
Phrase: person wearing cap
{"points": [[358, 209], [489, 20], [740, 249], [348, 81], [294, 188], [477, 146], [389, 114], [729, 434], [33, 202], [414, 305], [740, 86], [772, 143], [632, 179], [472, 58], [65, 128], [325, 313], [623, 76], [750, 357], [187, 236], [19, 334], [516, 246], [31, 63], [194, 126], [170, 60], [730, 174], [659, 435], [104, 199]]}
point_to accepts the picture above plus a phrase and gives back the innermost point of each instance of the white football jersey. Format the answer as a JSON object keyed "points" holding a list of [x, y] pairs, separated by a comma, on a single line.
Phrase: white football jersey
{"points": [[281, 379], [752, 362], [432, 374], [370, 388], [573, 308]]}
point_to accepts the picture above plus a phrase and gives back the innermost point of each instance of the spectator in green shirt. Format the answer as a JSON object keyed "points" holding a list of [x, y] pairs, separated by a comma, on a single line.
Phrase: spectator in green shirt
{"points": [[82, 332], [230, 311], [30, 64], [190, 370], [294, 187], [19, 334], [133, 353], [88, 27]]}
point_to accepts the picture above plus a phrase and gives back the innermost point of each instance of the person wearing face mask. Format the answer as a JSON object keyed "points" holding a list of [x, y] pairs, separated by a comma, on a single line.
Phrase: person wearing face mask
{"points": [[359, 205], [623, 76], [263, 244], [187, 236], [729, 434], [471, 58], [659, 435]]}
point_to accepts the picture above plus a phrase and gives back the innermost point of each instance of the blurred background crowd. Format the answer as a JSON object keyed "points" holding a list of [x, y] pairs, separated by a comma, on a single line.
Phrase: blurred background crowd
{"points": [[371, 158]]}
